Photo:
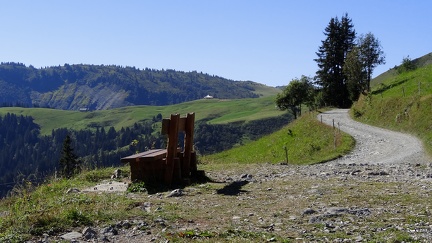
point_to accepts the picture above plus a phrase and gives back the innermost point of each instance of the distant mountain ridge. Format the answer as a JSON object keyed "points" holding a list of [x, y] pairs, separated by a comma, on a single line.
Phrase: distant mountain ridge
{"points": [[100, 87]]}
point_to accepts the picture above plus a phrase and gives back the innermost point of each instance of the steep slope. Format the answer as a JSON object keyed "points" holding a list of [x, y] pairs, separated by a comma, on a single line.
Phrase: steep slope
{"points": [[393, 72], [401, 102], [100, 87]]}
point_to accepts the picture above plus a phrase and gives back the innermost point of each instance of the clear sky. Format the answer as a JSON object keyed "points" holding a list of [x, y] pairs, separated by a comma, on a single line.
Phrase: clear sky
{"points": [[266, 41]]}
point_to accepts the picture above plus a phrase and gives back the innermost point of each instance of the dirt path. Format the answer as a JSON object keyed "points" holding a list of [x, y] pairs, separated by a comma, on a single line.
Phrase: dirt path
{"points": [[375, 145]]}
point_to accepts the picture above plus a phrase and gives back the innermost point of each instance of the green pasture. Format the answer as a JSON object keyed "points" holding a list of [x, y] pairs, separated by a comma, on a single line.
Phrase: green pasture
{"points": [[215, 110]]}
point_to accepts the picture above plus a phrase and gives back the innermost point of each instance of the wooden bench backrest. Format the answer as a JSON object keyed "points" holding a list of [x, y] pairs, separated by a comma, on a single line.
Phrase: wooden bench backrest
{"points": [[166, 123]]}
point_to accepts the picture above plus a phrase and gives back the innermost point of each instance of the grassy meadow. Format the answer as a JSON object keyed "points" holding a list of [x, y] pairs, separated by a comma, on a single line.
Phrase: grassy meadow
{"points": [[216, 110]]}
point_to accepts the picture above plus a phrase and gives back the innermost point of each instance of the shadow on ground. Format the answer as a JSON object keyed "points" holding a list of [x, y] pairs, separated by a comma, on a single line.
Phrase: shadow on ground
{"points": [[233, 189]]}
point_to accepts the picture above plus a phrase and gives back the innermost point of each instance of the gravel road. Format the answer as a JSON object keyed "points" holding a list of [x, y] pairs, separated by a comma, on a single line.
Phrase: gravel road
{"points": [[375, 145]]}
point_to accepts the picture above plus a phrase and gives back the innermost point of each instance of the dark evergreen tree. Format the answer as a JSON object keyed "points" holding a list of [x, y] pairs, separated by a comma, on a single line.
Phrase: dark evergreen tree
{"points": [[69, 163], [340, 37]]}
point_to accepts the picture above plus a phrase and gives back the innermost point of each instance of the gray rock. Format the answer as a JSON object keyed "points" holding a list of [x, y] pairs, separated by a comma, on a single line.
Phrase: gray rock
{"points": [[336, 211], [360, 212], [176, 193], [246, 177], [71, 236], [110, 230], [378, 173], [88, 233], [308, 211], [117, 174], [72, 190]]}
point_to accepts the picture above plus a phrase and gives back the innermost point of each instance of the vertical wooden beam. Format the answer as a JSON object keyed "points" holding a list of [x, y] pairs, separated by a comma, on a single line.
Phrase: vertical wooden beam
{"points": [[172, 147], [188, 145]]}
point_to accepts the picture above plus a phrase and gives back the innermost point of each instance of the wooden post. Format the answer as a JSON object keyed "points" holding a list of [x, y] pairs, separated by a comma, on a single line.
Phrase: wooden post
{"points": [[333, 124], [172, 147], [188, 145]]}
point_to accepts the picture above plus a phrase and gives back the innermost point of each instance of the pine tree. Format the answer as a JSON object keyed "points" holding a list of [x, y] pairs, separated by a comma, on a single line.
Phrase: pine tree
{"points": [[69, 163], [331, 59]]}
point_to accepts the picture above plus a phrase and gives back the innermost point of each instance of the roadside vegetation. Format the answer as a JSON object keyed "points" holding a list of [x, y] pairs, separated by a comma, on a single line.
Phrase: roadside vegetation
{"points": [[402, 102], [303, 141]]}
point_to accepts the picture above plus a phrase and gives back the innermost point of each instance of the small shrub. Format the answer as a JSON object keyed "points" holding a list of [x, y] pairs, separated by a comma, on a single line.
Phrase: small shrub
{"points": [[137, 187], [77, 218], [357, 113]]}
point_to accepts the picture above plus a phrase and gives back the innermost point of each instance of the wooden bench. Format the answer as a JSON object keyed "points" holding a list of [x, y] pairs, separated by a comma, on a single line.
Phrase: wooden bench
{"points": [[168, 165]]}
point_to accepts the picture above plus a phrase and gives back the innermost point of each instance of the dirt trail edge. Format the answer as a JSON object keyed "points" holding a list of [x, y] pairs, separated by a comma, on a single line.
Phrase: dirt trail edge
{"points": [[375, 145]]}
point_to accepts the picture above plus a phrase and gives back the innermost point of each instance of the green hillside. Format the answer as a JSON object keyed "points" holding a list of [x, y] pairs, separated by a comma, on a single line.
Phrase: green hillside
{"points": [[393, 72], [401, 102], [101, 87], [218, 111], [306, 139]]}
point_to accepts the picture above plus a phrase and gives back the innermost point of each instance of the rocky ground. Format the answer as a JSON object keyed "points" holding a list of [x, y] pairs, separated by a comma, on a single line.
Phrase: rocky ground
{"points": [[380, 192]]}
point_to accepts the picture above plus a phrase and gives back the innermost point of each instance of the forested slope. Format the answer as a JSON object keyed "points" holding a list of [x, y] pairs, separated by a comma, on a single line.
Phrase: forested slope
{"points": [[100, 87]]}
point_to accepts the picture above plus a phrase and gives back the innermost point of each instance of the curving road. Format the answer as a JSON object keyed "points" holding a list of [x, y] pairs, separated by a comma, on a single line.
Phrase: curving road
{"points": [[375, 145]]}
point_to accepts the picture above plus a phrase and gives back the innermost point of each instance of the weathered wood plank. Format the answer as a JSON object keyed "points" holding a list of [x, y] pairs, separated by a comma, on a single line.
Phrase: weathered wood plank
{"points": [[172, 147], [146, 154], [188, 144]]}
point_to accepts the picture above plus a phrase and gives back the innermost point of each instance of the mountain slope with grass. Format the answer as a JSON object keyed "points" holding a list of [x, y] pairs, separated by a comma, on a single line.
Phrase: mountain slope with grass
{"points": [[214, 111], [402, 102], [101, 87]]}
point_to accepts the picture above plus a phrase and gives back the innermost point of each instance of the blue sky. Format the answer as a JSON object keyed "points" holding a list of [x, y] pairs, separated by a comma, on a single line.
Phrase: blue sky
{"points": [[267, 41]]}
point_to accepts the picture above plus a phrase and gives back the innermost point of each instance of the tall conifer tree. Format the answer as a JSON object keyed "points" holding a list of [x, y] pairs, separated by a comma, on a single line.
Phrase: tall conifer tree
{"points": [[340, 37], [69, 163]]}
